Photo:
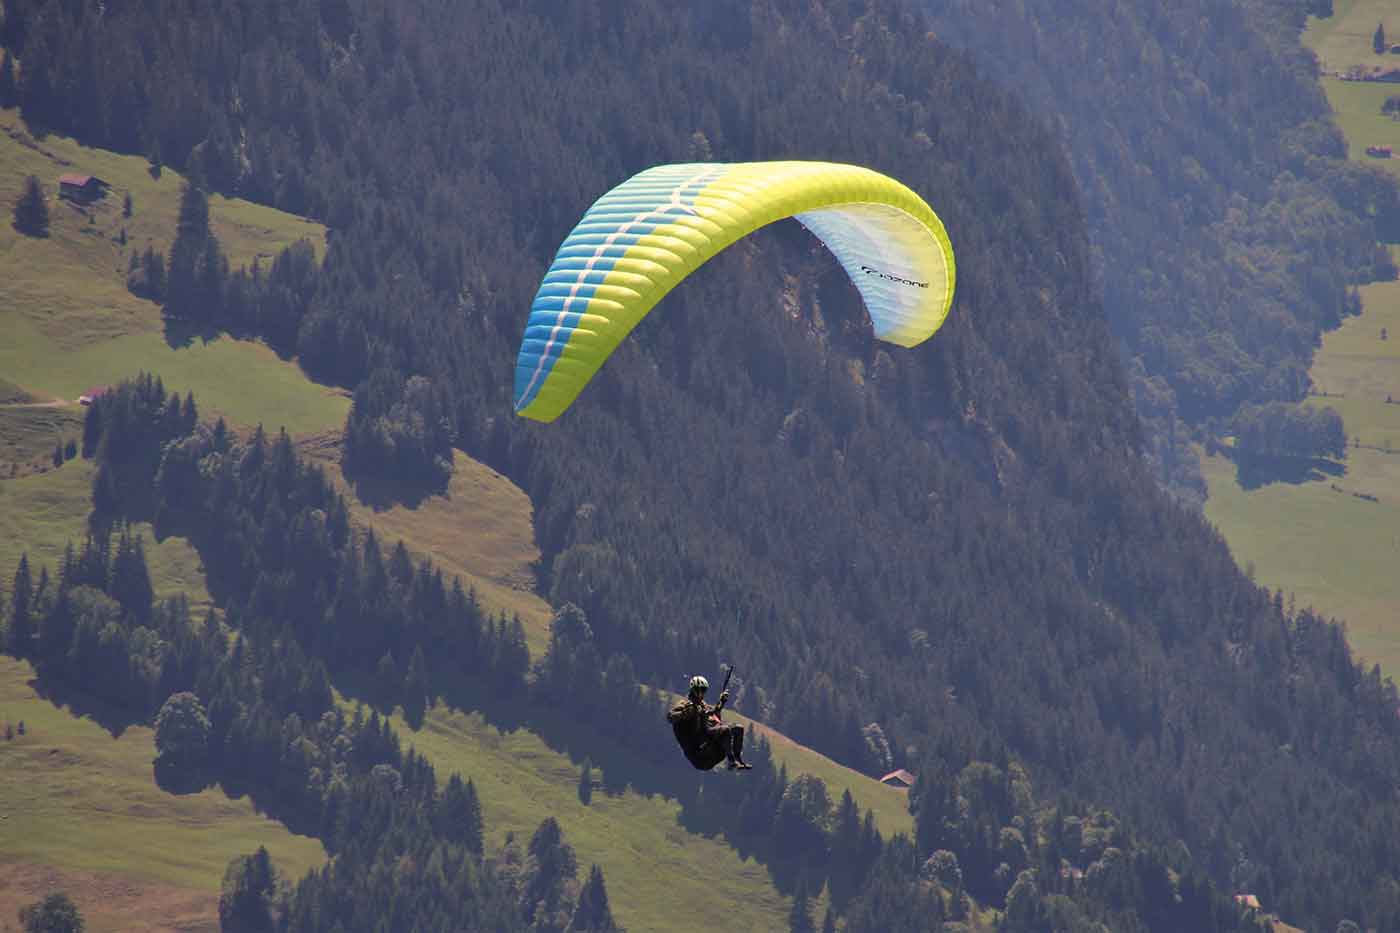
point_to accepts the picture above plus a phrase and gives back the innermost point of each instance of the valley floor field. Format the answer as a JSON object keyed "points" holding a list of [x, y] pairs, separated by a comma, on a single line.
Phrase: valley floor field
{"points": [[1324, 540]]}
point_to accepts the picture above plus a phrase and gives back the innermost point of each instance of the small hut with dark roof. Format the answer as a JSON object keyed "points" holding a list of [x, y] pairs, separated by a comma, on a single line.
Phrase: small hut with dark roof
{"points": [[899, 778], [81, 188]]}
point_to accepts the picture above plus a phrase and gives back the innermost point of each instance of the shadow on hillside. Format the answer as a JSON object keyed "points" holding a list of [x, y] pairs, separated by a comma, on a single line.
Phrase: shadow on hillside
{"points": [[177, 781], [1256, 472], [181, 781], [709, 802], [381, 494], [114, 719], [574, 733], [181, 333], [645, 760]]}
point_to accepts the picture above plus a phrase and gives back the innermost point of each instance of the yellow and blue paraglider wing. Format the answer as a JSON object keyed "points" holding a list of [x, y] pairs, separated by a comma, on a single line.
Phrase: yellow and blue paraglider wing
{"points": [[643, 237]]}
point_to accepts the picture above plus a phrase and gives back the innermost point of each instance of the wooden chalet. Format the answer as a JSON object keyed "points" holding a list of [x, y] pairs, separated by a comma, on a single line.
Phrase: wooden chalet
{"points": [[81, 188], [899, 778]]}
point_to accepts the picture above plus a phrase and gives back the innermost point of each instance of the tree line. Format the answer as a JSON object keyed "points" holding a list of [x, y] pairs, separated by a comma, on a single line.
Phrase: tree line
{"points": [[243, 705], [1279, 429], [246, 700]]}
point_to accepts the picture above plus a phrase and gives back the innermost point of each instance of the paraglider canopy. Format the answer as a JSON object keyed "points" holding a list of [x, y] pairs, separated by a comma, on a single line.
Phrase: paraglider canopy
{"points": [[643, 237]]}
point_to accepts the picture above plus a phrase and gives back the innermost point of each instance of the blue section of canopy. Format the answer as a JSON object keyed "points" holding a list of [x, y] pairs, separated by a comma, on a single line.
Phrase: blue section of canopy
{"points": [[612, 226]]}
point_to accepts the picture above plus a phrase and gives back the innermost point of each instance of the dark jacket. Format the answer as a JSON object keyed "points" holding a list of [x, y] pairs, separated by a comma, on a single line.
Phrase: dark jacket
{"points": [[692, 721]]}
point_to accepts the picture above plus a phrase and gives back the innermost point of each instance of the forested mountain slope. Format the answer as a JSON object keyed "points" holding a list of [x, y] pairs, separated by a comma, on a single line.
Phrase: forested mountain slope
{"points": [[1227, 226], [951, 559]]}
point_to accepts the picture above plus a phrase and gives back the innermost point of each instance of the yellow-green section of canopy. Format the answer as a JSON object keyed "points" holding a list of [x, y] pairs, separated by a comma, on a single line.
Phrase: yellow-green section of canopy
{"points": [[643, 237]]}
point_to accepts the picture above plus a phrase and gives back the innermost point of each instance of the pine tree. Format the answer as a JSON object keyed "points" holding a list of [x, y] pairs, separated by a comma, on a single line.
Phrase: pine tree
{"points": [[92, 430], [189, 415], [1378, 40], [21, 611], [127, 206], [211, 275], [131, 579], [459, 814], [31, 212], [550, 867], [848, 864], [800, 917], [415, 689], [106, 497], [585, 782], [388, 682], [592, 914], [153, 269], [9, 87], [250, 885], [190, 276]]}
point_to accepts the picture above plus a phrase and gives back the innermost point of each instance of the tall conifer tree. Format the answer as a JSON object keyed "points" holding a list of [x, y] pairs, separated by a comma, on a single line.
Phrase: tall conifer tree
{"points": [[31, 211], [21, 611], [9, 87]]}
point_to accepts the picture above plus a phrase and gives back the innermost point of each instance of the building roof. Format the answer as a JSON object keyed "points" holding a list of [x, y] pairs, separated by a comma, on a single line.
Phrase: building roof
{"points": [[82, 181], [1247, 900], [900, 775]]}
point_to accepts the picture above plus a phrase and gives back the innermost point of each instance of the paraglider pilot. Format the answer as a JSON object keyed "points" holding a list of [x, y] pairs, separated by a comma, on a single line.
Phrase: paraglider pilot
{"points": [[703, 735]]}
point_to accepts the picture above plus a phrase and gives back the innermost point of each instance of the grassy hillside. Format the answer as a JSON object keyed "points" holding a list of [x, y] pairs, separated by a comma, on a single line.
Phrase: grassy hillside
{"points": [[70, 322], [74, 800], [11, 394], [653, 865], [1315, 539], [40, 514], [480, 529], [29, 430], [109, 903], [74, 795]]}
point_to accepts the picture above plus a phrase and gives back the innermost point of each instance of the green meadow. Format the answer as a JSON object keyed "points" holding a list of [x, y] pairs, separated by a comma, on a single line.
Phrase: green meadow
{"points": [[70, 323], [1343, 41], [1320, 540], [241, 380], [42, 513], [29, 431], [74, 795], [656, 870]]}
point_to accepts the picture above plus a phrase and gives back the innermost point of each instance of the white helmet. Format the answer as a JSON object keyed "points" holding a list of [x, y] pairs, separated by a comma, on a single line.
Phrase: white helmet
{"points": [[699, 683]]}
